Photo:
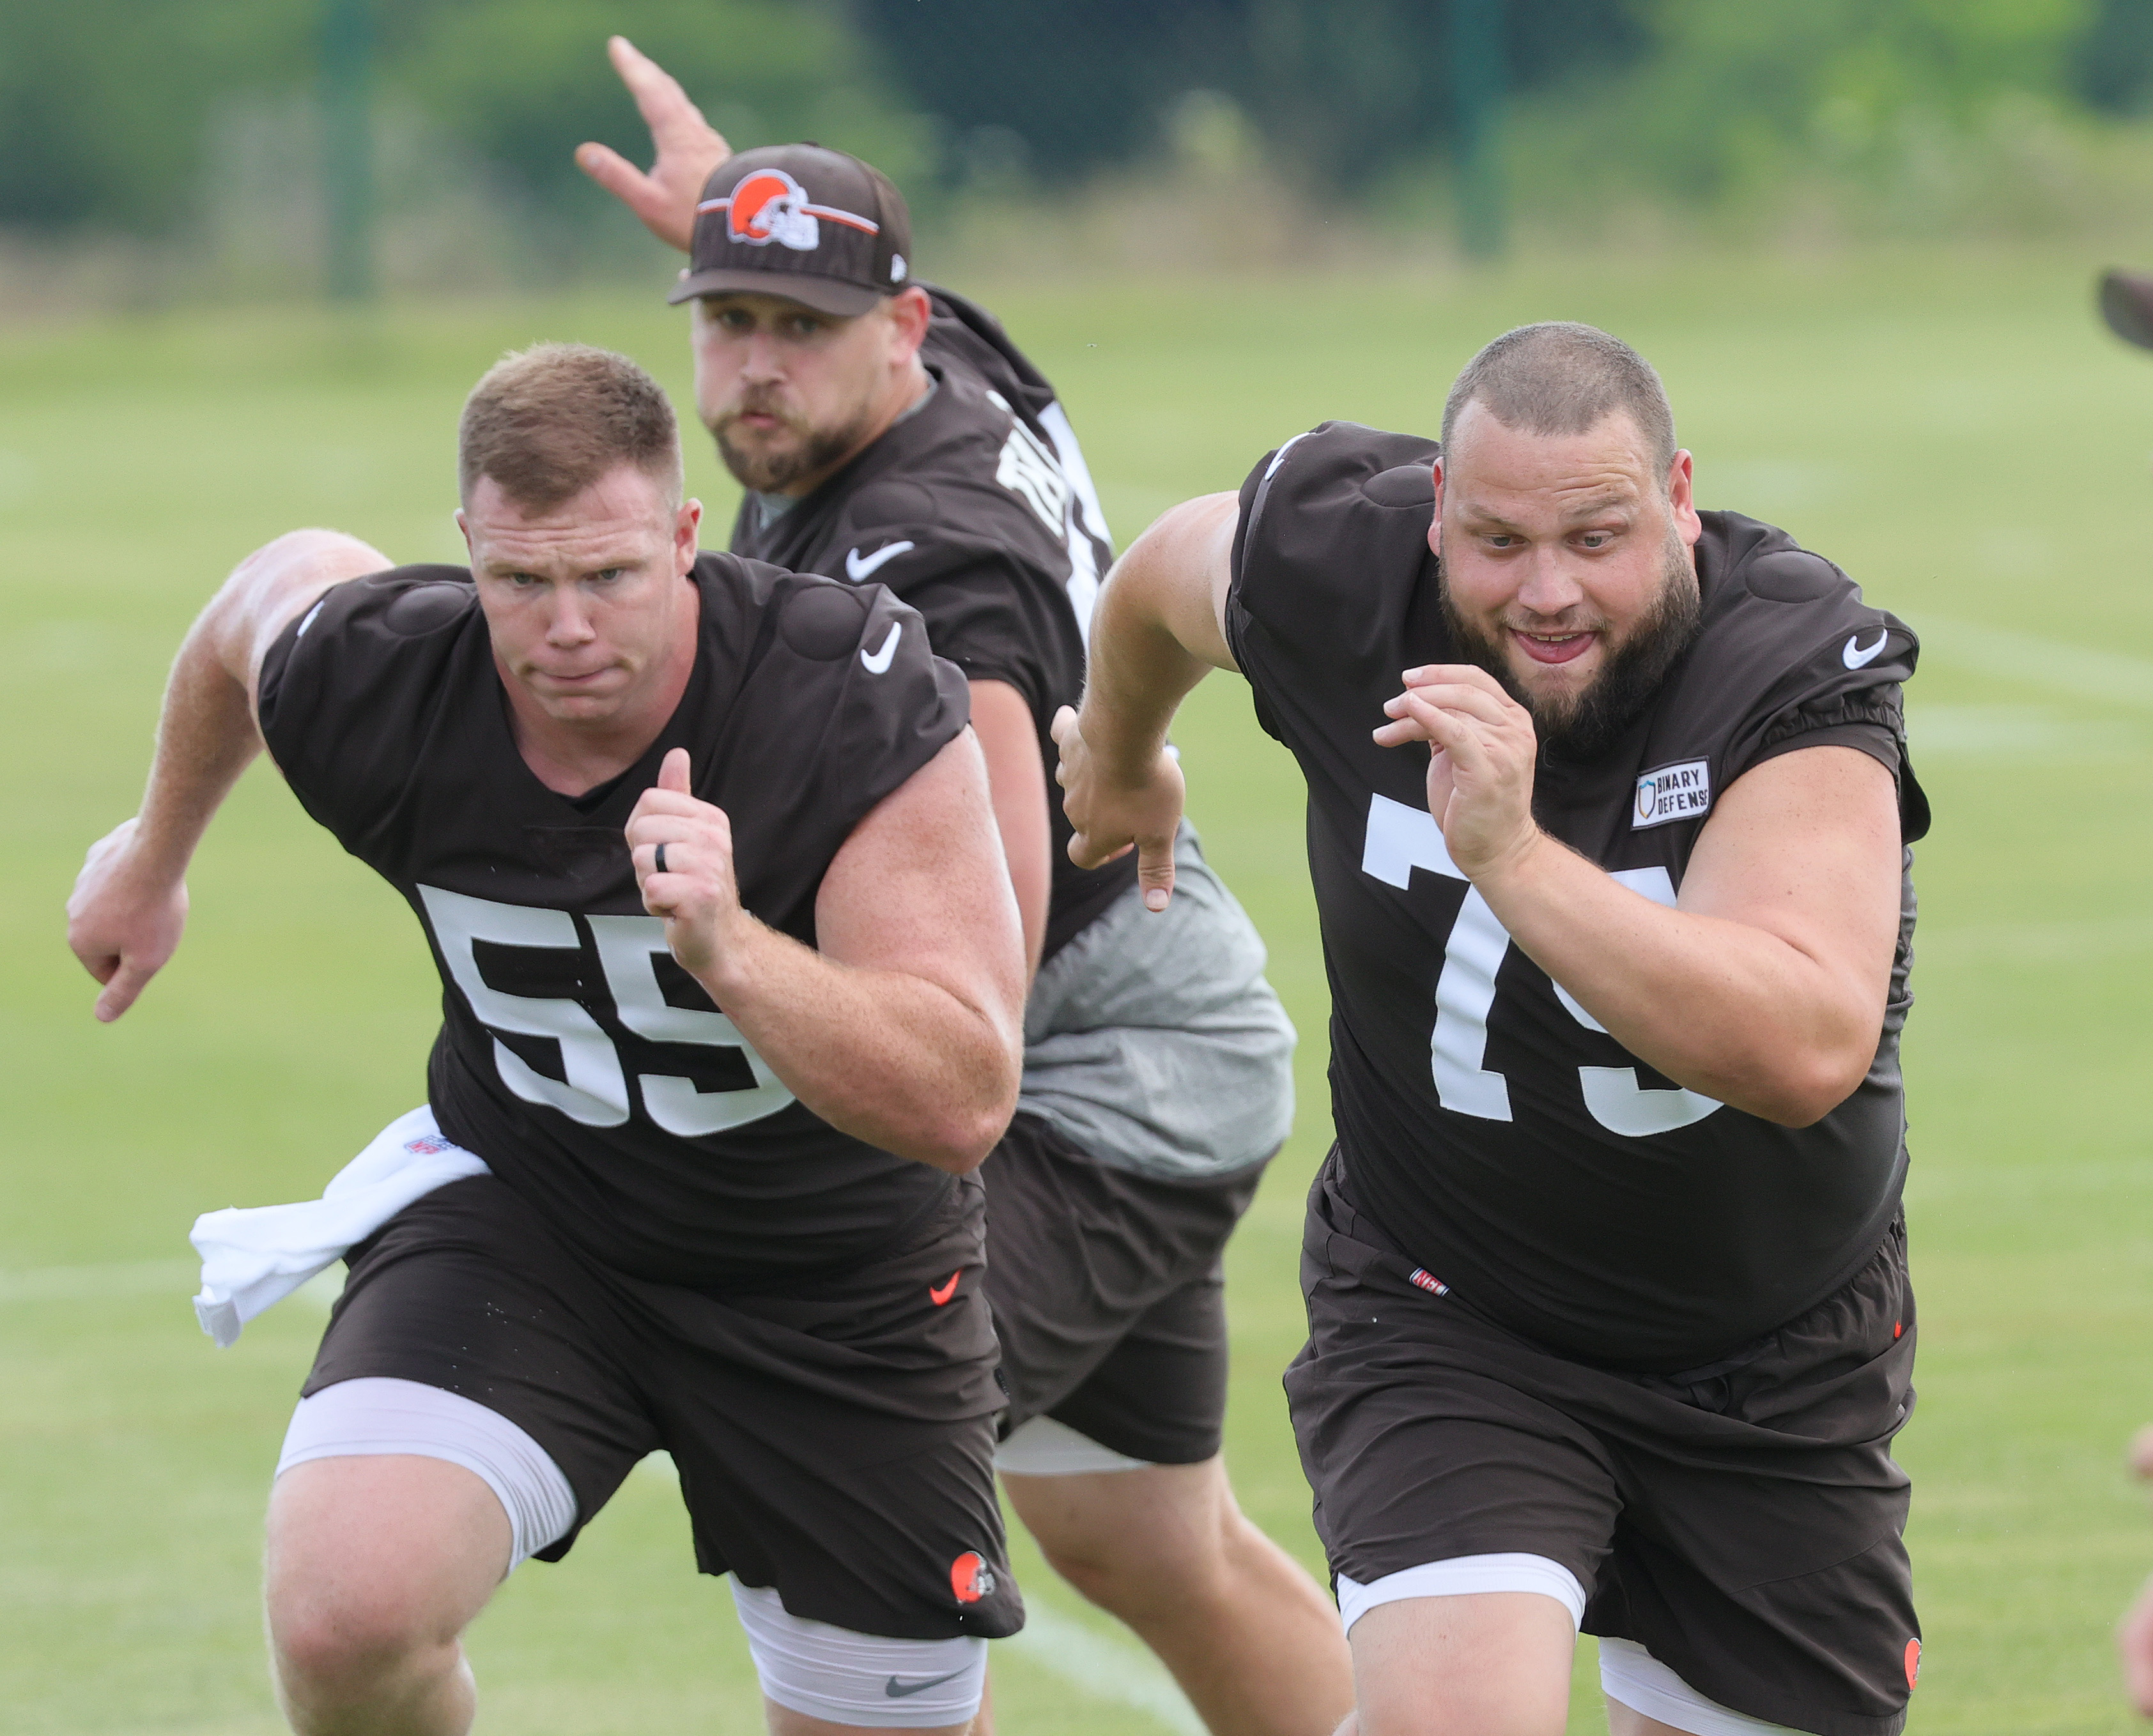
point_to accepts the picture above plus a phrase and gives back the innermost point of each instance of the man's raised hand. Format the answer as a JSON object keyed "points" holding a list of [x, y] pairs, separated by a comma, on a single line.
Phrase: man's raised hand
{"points": [[1480, 766], [1113, 818], [694, 890], [688, 149], [123, 926]]}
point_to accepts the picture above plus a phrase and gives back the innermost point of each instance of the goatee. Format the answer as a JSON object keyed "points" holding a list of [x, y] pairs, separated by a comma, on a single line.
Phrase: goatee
{"points": [[773, 471], [1585, 725]]}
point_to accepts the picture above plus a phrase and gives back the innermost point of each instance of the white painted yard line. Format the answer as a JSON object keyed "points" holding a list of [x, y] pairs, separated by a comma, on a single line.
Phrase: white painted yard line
{"points": [[89, 1283], [1119, 1672], [180, 1279], [2111, 1180], [2109, 676], [2034, 942]]}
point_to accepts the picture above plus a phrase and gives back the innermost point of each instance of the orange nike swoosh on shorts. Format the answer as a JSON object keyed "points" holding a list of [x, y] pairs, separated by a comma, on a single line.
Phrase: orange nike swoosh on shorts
{"points": [[941, 1293]]}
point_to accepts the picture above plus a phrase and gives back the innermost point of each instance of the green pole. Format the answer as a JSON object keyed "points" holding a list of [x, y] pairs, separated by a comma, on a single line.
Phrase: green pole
{"points": [[1477, 81], [348, 147]]}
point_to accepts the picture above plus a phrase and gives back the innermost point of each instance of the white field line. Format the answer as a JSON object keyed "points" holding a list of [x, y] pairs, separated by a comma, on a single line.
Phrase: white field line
{"points": [[91, 1283], [2109, 676], [180, 1279], [2034, 943], [1119, 1672], [2106, 1182]]}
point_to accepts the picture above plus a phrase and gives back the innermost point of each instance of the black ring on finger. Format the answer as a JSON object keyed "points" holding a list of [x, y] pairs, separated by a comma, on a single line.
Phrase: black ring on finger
{"points": [[658, 862]]}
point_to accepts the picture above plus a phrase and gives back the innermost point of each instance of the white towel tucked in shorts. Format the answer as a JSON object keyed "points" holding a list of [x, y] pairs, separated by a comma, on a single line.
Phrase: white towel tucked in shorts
{"points": [[257, 1255]]}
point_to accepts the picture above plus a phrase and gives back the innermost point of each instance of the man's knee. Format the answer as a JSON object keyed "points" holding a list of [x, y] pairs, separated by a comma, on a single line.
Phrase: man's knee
{"points": [[375, 1565], [345, 1646], [1162, 1534]]}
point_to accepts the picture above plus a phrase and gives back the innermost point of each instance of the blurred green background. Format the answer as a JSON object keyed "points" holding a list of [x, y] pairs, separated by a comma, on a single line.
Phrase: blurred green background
{"points": [[159, 150], [1857, 239]]}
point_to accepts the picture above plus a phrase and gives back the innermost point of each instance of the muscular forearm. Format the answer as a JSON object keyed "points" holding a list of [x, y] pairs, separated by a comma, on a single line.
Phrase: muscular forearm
{"points": [[1138, 675], [1155, 633], [206, 738], [888, 1057], [1719, 1007], [129, 902]]}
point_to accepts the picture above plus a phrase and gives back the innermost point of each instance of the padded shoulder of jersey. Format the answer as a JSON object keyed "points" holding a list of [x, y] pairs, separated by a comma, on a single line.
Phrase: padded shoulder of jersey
{"points": [[1332, 541], [382, 648], [365, 633], [1789, 644], [1790, 617], [834, 676]]}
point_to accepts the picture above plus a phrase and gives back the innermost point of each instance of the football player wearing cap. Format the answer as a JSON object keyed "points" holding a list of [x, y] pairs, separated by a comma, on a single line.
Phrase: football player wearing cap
{"points": [[732, 988], [1609, 804], [888, 432]]}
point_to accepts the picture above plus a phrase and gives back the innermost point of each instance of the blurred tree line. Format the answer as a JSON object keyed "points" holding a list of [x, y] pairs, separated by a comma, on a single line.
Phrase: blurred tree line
{"points": [[107, 107]]}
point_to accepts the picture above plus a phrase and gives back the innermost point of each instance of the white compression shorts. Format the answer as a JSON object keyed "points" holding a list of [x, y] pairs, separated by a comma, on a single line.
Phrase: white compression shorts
{"points": [[1628, 1673], [357, 1418], [856, 1678], [1461, 1577], [825, 1672], [1044, 1448]]}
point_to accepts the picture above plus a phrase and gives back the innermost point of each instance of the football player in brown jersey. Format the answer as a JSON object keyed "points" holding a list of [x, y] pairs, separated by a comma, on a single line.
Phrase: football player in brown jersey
{"points": [[888, 430], [1609, 805], [732, 987]]}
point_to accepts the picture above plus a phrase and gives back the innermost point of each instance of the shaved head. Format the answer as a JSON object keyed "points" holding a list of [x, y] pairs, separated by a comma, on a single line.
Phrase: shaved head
{"points": [[1558, 377]]}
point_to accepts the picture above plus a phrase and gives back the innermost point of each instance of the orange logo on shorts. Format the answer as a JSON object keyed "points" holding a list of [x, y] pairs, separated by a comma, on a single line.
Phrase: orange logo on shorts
{"points": [[1913, 1661], [939, 1294], [970, 1577]]}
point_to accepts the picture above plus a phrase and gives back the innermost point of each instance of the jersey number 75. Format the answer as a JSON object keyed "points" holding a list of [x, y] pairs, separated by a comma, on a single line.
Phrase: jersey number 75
{"points": [[1401, 839]]}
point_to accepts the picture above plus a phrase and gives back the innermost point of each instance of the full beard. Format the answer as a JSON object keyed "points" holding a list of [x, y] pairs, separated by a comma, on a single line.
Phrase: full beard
{"points": [[1585, 725], [775, 470]]}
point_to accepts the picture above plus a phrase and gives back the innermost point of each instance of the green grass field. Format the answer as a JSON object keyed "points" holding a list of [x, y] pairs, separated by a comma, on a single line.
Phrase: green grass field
{"points": [[1953, 430]]}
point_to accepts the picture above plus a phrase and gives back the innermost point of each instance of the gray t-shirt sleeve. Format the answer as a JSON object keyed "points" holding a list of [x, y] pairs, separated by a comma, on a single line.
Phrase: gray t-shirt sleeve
{"points": [[1153, 1042]]}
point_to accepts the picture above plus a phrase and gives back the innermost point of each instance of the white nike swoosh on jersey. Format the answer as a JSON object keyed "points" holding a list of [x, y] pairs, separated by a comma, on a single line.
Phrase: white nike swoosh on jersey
{"points": [[875, 662], [1853, 659], [858, 570]]}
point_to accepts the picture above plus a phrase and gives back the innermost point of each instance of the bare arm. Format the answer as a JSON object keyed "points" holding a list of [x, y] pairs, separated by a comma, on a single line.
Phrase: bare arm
{"points": [[1159, 628], [1764, 986], [2134, 1633], [688, 150], [906, 1028], [1017, 782], [130, 903]]}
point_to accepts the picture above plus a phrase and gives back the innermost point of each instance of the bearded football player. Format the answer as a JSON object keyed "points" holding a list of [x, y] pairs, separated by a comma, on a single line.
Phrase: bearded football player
{"points": [[732, 987], [1609, 804], [890, 432]]}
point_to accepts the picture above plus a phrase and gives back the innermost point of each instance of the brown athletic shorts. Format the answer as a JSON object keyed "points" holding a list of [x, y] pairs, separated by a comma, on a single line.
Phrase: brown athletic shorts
{"points": [[1741, 1521], [1108, 1296], [835, 1439]]}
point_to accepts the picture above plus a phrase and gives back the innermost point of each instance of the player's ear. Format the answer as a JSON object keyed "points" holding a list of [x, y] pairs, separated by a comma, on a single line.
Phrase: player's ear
{"points": [[463, 524], [909, 310], [1681, 498], [685, 523], [1435, 524]]}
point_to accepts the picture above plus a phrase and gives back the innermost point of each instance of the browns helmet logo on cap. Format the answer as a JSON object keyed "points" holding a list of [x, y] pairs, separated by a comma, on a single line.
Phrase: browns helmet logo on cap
{"points": [[798, 220], [769, 205]]}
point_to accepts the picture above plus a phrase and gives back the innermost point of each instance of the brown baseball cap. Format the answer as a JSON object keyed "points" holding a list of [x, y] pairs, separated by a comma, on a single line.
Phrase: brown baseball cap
{"points": [[810, 224]]}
